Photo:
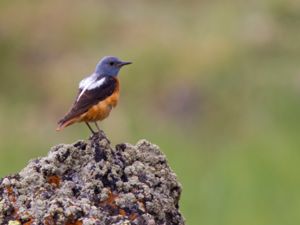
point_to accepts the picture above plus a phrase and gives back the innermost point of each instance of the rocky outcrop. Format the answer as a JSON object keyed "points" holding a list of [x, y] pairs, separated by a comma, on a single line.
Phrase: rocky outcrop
{"points": [[90, 182]]}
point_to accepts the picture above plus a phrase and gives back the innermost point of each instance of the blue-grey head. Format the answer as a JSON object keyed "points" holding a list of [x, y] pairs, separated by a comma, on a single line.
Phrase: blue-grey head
{"points": [[110, 66]]}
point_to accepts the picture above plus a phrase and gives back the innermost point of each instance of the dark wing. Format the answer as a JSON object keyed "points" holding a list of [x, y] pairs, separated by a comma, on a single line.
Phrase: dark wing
{"points": [[90, 98]]}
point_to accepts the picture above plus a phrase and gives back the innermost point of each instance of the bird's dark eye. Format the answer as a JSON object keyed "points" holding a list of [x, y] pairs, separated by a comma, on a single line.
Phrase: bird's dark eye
{"points": [[111, 63]]}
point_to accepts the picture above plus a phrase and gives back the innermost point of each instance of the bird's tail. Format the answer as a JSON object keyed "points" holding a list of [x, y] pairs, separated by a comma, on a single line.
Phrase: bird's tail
{"points": [[64, 123]]}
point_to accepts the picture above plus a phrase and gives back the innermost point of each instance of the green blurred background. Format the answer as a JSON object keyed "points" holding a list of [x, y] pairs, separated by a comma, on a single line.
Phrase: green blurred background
{"points": [[216, 84]]}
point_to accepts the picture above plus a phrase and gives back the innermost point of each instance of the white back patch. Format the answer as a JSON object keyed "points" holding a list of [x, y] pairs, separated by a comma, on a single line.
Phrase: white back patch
{"points": [[96, 84], [89, 83]]}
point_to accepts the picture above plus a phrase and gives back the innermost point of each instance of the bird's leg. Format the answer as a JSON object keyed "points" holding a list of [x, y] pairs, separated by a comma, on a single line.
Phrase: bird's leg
{"points": [[93, 132], [97, 127]]}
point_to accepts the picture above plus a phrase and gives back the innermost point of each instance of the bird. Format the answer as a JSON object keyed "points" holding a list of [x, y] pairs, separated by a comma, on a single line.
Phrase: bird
{"points": [[97, 95]]}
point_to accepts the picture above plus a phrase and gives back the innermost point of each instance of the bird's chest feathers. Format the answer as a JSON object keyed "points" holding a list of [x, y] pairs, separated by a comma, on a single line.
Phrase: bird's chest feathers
{"points": [[101, 110]]}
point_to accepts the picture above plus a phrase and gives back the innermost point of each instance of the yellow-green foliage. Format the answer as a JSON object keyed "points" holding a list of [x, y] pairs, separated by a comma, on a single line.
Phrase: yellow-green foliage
{"points": [[216, 84]]}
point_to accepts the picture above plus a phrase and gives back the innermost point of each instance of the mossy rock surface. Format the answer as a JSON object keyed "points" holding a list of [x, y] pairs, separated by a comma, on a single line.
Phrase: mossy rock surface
{"points": [[91, 182]]}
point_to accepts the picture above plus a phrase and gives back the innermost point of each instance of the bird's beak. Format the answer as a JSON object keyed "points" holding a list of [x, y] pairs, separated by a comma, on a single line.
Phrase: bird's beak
{"points": [[124, 63]]}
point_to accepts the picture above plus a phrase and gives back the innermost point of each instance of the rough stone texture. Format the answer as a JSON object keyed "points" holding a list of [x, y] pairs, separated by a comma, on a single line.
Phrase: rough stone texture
{"points": [[90, 182]]}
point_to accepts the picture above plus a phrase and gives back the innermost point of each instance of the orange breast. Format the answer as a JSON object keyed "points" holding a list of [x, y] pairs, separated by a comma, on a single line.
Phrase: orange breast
{"points": [[103, 108]]}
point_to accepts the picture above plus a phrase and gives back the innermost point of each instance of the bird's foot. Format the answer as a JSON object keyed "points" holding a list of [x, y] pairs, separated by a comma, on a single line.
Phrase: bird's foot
{"points": [[98, 136]]}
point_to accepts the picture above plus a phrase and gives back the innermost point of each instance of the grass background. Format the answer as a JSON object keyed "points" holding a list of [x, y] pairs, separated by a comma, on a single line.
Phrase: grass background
{"points": [[216, 84]]}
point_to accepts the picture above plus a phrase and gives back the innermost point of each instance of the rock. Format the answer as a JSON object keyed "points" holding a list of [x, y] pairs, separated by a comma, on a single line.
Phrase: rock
{"points": [[90, 182]]}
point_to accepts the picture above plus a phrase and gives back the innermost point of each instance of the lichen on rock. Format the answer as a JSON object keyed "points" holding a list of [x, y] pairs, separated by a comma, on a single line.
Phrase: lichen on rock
{"points": [[89, 183]]}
